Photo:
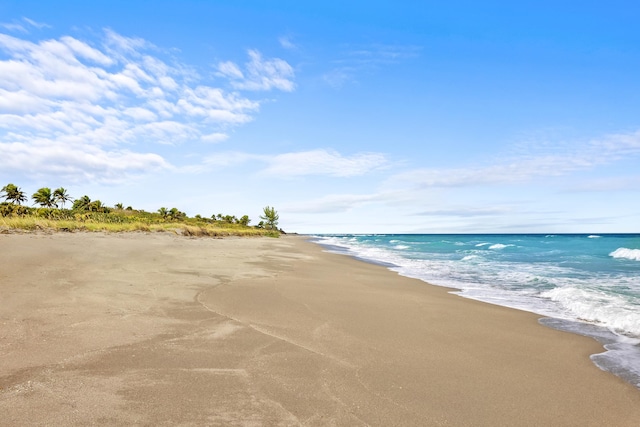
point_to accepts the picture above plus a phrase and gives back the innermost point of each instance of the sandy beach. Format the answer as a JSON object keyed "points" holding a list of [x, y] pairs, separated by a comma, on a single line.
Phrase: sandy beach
{"points": [[160, 329]]}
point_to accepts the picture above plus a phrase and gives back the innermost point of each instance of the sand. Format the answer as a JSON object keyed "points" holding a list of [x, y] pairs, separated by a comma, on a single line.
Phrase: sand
{"points": [[159, 329]]}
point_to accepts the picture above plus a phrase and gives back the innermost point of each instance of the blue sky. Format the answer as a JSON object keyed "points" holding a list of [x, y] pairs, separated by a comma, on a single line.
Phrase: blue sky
{"points": [[347, 117]]}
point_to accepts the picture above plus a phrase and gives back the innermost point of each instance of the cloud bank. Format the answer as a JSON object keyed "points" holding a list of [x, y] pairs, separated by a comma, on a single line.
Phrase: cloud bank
{"points": [[97, 109]]}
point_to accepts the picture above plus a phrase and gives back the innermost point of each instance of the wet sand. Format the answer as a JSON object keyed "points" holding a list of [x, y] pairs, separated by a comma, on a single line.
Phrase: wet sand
{"points": [[159, 329]]}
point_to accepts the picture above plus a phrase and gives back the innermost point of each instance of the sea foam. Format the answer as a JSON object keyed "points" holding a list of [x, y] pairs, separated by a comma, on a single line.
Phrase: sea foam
{"points": [[611, 311], [558, 276], [499, 246], [633, 254]]}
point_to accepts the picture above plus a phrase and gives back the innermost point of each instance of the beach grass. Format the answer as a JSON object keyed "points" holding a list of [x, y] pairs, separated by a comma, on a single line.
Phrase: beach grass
{"points": [[122, 223]]}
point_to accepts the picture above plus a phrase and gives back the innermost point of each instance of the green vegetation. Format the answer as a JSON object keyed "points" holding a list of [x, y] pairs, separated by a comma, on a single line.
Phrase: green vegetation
{"points": [[92, 215], [271, 217], [13, 194]]}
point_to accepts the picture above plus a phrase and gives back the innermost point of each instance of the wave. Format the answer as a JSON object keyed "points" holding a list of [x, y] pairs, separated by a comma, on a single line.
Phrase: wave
{"points": [[499, 246], [611, 311], [594, 236], [401, 247], [633, 254]]}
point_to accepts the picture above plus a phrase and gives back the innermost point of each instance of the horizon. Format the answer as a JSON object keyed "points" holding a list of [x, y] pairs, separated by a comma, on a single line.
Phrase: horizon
{"points": [[386, 118]]}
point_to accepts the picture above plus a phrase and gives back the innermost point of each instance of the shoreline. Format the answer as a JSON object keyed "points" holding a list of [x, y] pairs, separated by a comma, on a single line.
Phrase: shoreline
{"points": [[619, 355], [162, 329]]}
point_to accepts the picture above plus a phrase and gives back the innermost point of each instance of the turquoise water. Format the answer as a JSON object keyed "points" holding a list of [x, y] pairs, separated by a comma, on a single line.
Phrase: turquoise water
{"points": [[587, 284]]}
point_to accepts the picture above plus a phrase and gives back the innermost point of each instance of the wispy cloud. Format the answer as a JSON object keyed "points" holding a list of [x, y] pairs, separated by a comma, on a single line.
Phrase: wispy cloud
{"points": [[319, 162], [35, 24], [606, 185], [260, 74], [23, 25], [287, 42], [334, 203], [379, 54], [354, 60], [324, 162], [91, 163], [99, 101], [468, 211], [524, 168]]}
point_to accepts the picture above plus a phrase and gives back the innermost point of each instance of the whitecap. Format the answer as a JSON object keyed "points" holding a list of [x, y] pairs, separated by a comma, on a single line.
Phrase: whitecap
{"points": [[633, 254], [594, 236], [401, 247], [612, 311], [498, 246]]}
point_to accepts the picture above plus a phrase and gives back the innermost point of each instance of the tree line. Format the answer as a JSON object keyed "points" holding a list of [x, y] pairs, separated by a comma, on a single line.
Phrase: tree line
{"points": [[57, 199]]}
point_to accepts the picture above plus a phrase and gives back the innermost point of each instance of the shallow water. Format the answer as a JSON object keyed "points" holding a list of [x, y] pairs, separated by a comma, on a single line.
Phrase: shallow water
{"points": [[587, 284]]}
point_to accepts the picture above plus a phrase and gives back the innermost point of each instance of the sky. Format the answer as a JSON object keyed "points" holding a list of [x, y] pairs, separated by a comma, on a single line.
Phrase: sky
{"points": [[346, 117]]}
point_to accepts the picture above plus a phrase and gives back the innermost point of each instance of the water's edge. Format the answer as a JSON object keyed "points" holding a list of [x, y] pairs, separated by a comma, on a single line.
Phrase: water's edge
{"points": [[619, 358]]}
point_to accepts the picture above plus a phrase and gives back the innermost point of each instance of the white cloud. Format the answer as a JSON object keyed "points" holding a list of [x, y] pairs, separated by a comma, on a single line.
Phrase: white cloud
{"points": [[215, 137], [382, 53], [596, 153], [467, 211], [333, 203], [323, 162], [85, 51], [338, 77], [21, 27], [12, 26], [98, 100], [285, 42], [79, 163], [227, 159], [38, 25], [617, 146], [358, 59], [230, 70], [121, 45], [286, 165], [605, 185], [261, 74]]}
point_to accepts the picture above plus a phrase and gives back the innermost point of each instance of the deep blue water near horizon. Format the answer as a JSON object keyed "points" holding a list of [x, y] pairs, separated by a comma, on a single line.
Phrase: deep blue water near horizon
{"points": [[583, 283]]}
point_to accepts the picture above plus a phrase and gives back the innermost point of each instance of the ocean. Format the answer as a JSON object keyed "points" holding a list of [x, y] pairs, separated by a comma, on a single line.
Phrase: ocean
{"points": [[585, 284]]}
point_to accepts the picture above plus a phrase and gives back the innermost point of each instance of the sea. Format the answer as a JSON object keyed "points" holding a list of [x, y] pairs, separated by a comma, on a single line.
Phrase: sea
{"points": [[587, 284]]}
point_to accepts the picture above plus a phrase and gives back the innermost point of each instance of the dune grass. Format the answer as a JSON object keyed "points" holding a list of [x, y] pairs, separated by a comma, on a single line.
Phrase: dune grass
{"points": [[110, 224]]}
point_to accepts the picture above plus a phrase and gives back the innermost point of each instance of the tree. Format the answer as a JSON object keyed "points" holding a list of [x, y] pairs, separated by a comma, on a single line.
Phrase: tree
{"points": [[119, 206], [97, 206], [13, 194], [244, 220], [82, 204], [271, 217], [44, 197], [176, 215], [164, 212], [61, 196]]}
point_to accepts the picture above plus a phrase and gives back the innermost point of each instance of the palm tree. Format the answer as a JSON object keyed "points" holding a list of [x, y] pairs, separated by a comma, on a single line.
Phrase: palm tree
{"points": [[164, 212], [176, 215], [271, 217], [97, 206], [119, 206], [44, 197], [14, 194], [61, 195], [81, 204]]}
